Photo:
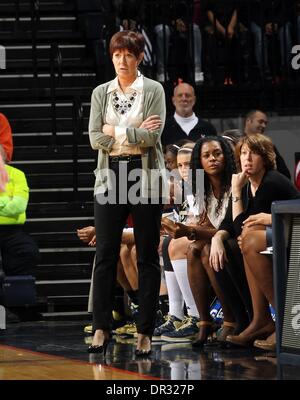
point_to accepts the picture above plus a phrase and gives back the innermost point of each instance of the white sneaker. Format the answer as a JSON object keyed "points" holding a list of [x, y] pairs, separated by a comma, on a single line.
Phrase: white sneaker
{"points": [[199, 78]]}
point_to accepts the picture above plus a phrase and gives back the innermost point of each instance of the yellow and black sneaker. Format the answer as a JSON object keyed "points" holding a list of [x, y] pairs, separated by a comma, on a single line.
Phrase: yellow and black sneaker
{"points": [[127, 330], [88, 329]]}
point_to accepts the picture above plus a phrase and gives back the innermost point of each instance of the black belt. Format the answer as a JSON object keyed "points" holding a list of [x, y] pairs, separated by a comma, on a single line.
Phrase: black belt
{"points": [[128, 158]]}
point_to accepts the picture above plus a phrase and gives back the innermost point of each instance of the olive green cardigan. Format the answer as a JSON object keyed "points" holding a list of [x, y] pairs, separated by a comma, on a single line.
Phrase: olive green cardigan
{"points": [[149, 142]]}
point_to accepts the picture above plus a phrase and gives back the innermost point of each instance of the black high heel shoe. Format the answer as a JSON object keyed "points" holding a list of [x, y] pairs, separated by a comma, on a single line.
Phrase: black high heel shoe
{"points": [[99, 349], [205, 330], [142, 353]]}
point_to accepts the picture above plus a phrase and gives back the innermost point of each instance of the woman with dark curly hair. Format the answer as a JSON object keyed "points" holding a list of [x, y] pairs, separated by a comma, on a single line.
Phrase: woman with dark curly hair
{"points": [[214, 155], [253, 191], [217, 189]]}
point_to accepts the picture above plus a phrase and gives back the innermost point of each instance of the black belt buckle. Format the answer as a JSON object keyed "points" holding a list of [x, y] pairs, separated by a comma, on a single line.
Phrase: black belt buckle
{"points": [[124, 158], [115, 159]]}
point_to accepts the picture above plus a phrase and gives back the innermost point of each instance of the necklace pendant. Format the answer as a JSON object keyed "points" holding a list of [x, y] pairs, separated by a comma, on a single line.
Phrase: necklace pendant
{"points": [[123, 105]]}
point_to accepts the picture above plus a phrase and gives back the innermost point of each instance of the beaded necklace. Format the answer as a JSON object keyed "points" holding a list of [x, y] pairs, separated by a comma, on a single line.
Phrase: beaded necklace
{"points": [[123, 105]]}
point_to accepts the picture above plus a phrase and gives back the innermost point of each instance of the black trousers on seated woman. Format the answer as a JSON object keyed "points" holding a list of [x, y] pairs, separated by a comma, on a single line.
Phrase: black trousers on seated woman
{"points": [[110, 220], [233, 281]]}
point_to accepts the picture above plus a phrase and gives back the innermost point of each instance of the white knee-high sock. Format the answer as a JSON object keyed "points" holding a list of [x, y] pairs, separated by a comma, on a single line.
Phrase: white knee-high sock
{"points": [[180, 269], [176, 302]]}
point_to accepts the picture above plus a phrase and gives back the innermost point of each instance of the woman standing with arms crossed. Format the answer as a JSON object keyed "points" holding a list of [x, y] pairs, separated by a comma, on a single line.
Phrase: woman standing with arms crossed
{"points": [[126, 121]]}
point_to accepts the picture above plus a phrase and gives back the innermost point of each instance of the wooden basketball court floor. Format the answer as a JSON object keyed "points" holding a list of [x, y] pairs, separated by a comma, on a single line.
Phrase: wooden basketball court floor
{"points": [[57, 350]]}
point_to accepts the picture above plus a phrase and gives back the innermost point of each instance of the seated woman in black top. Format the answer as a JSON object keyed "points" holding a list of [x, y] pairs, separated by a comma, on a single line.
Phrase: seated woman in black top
{"points": [[253, 191]]}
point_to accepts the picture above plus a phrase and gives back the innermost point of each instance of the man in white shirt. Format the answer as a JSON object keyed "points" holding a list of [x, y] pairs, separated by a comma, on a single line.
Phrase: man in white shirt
{"points": [[184, 124]]}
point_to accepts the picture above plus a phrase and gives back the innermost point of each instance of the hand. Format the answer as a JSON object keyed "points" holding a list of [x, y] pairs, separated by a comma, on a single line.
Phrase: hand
{"points": [[129, 24], [271, 28], [258, 219], [92, 243], [87, 234], [268, 28], [222, 30], [125, 24], [174, 229], [218, 255], [237, 182], [230, 32], [180, 25], [239, 241], [151, 123], [108, 130]]}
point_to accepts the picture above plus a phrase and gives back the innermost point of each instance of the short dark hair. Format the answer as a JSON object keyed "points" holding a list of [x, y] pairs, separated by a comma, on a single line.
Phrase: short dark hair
{"points": [[172, 148], [250, 114], [130, 40], [259, 144]]}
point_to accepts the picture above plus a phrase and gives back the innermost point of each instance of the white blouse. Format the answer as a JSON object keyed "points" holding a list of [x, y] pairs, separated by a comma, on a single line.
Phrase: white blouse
{"points": [[125, 110], [217, 217]]}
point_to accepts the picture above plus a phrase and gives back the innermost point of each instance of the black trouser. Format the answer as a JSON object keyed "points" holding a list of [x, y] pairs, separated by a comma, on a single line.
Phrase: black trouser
{"points": [[233, 281], [165, 254], [19, 251], [110, 220]]}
